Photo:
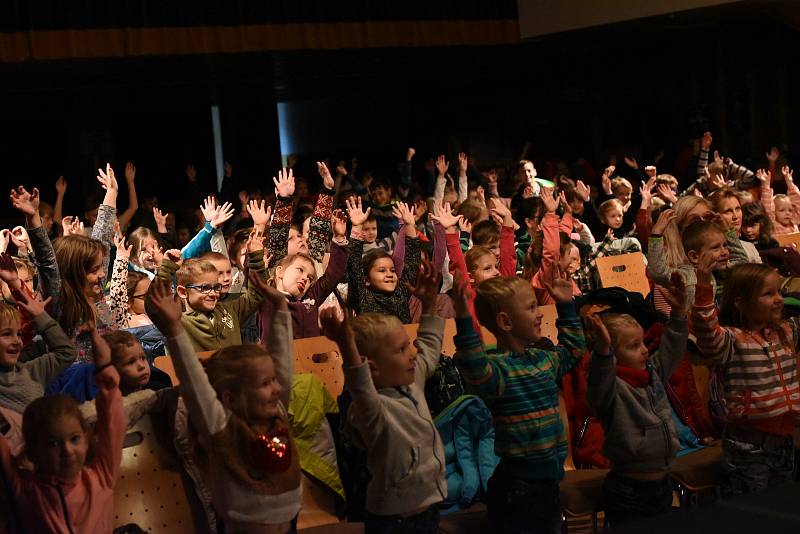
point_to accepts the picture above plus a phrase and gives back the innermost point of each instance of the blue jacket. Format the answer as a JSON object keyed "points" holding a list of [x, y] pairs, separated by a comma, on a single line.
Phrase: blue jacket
{"points": [[77, 381], [468, 436]]}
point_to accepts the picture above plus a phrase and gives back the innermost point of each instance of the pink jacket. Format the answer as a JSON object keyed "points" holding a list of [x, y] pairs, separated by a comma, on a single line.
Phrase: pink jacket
{"points": [[551, 254], [88, 500], [769, 207]]}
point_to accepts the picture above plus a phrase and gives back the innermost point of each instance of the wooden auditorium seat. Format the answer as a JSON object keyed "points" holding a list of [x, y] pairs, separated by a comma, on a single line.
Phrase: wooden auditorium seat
{"points": [[627, 271], [789, 240]]}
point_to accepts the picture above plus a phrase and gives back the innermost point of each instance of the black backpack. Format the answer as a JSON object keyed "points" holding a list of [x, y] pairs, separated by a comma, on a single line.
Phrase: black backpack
{"points": [[445, 386]]}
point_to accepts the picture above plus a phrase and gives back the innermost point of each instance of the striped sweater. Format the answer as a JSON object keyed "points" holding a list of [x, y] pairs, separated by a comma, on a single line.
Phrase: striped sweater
{"points": [[758, 370], [521, 390]]}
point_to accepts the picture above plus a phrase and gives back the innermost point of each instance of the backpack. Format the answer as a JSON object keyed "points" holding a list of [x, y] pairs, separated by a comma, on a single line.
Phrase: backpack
{"points": [[444, 386]]}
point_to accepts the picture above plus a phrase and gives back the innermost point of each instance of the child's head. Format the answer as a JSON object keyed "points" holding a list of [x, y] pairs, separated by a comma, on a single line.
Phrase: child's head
{"points": [[627, 337], [237, 249], [783, 210], [295, 274], [223, 265], [473, 211], [80, 262], [570, 259], [702, 237], [26, 271], [57, 438], [725, 201], [246, 383], [751, 297], [526, 170], [10, 340], [668, 180], [46, 213], [384, 342], [507, 307], [622, 190], [370, 229], [129, 359], [487, 234], [530, 213], [379, 271], [144, 245], [298, 241], [137, 284], [381, 191], [756, 226], [688, 209], [611, 212], [481, 264], [198, 284]]}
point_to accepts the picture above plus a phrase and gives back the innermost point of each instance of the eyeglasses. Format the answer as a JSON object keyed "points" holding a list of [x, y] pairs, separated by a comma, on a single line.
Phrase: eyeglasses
{"points": [[205, 289]]}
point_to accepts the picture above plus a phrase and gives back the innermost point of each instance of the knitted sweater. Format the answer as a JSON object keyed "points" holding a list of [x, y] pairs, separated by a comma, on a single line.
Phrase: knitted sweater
{"points": [[220, 327], [521, 391], [759, 370], [23, 383]]}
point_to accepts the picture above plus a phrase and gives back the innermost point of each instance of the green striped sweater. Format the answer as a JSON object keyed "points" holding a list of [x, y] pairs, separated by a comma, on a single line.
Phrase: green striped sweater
{"points": [[521, 390]]}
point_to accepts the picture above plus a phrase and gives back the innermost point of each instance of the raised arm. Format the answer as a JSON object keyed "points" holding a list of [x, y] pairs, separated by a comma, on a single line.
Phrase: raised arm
{"points": [[58, 207], [118, 288], [431, 327], [62, 353], [103, 229], [601, 387], [282, 219], [716, 343], [320, 233], [355, 269], [133, 200]]}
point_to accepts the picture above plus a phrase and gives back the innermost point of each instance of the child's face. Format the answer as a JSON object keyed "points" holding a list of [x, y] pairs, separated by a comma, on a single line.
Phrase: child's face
{"points": [[370, 231], [525, 316], [381, 195], [94, 278], [783, 212], [197, 299], [731, 212], [397, 365], [768, 304], [147, 254], [262, 390], [26, 277], [62, 449], [10, 343], [382, 276], [577, 206], [751, 232], [623, 194], [613, 218], [716, 245], [530, 171], [295, 278], [297, 243], [485, 268], [570, 262], [224, 274], [630, 349], [136, 303], [132, 366]]}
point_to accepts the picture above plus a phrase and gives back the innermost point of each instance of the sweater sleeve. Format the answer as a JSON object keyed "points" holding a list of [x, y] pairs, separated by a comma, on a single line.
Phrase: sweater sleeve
{"points": [[767, 201], [206, 411], [794, 197], [551, 246], [200, 243], [320, 233], [412, 261], [571, 342], [110, 426], [429, 347], [250, 300], [355, 273], [279, 231], [715, 342], [49, 276], [508, 254], [280, 346], [103, 230], [672, 347], [62, 352], [601, 384], [657, 261], [738, 255], [118, 293], [334, 273], [366, 413], [643, 225], [479, 372]]}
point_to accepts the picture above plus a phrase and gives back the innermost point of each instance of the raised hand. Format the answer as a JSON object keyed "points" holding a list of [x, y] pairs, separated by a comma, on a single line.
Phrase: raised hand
{"points": [[335, 325], [191, 173], [773, 155], [327, 179], [209, 208], [481, 194], [666, 217], [404, 213], [582, 190], [260, 215], [550, 203], [606, 179], [717, 181], [646, 191], [275, 297], [442, 166], [8, 271], [27, 203], [501, 210], [357, 215], [444, 216], [173, 255], [61, 186], [33, 306], [123, 249], [631, 162], [560, 288], [788, 175], [339, 224], [341, 170], [602, 340], [427, 288], [161, 220], [19, 236], [675, 294], [107, 179], [222, 214], [410, 153], [464, 225], [706, 141], [71, 226], [463, 164], [705, 267], [163, 307], [650, 171], [763, 176], [562, 199], [667, 193], [130, 171], [284, 183]]}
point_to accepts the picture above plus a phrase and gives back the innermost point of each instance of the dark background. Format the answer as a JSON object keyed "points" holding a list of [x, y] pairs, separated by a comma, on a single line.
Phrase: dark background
{"points": [[629, 88]]}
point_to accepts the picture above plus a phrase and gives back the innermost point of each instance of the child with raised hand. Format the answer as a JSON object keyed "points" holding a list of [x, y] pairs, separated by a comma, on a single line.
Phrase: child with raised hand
{"points": [[238, 406], [296, 278], [212, 324], [755, 350], [389, 416], [72, 487], [373, 282], [552, 247], [520, 386], [626, 392], [784, 210], [210, 236]]}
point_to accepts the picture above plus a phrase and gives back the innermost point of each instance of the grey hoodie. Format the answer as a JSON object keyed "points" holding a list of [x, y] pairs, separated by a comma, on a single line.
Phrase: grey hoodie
{"points": [[639, 433]]}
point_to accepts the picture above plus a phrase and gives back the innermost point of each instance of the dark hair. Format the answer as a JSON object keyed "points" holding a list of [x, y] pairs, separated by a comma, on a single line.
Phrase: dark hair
{"points": [[485, 233], [371, 257], [45, 409], [694, 236], [134, 277], [380, 182], [753, 213], [119, 339]]}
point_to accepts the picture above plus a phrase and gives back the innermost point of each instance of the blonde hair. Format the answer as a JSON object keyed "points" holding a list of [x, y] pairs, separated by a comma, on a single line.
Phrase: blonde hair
{"points": [[606, 207], [615, 322], [781, 198], [666, 179], [227, 367], [618, 182], [496, 295], [192, 269], [474, 254], [673, 244], [370, 331], [74, 254], [8, 314], [136, 240]]}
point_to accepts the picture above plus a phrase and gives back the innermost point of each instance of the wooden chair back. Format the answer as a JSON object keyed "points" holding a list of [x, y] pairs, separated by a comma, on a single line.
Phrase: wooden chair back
{"points": [[627, 271]]}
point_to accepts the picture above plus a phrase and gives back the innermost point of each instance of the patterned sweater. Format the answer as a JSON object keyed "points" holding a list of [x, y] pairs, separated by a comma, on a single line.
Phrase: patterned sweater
{"points": [[759, 370], [521, 390]]}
